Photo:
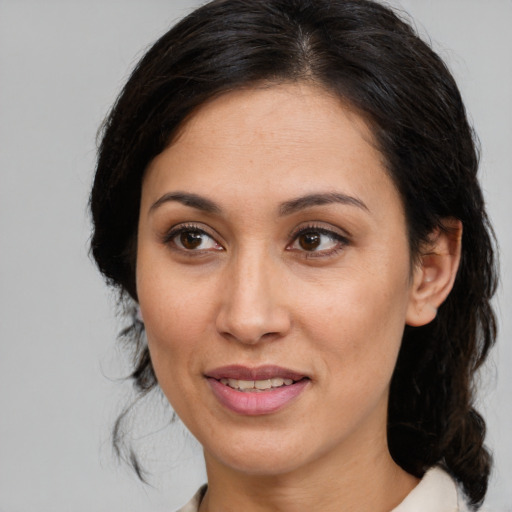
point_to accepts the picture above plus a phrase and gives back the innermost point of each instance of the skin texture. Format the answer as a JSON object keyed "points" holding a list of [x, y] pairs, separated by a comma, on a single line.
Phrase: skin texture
{"points": [[253, 293]]}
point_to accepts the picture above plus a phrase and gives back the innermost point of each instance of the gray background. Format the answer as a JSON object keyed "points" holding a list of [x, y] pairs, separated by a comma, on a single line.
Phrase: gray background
{"points": [[61, 65]]}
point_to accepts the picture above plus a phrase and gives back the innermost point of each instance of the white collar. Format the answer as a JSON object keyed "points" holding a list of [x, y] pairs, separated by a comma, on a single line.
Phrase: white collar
{"points": [[436, 492]]}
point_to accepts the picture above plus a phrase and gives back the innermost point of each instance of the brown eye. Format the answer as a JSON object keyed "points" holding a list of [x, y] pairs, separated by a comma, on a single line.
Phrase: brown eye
{"points": [[318, 241], [309, 241], [191, 239]]}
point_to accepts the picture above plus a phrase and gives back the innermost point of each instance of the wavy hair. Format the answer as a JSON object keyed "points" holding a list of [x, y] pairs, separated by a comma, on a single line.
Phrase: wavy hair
{"points": [[372, 59]]}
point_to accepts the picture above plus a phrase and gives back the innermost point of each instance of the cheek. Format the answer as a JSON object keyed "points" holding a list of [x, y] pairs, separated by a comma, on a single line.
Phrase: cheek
{"points": [[170, 319], [173, 328], [358, 321], [174, 322], [173, 303], [357, 337], [170, 314]]}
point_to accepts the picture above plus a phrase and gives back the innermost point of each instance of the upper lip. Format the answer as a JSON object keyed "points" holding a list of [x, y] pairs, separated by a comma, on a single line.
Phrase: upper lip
{"points": [[257, 373]]}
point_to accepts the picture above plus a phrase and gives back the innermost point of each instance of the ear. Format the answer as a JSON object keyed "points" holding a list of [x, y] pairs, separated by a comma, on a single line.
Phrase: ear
{"points": [[435, 272]]}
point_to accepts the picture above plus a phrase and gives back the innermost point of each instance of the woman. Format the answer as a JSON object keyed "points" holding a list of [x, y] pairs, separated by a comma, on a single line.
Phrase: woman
{"points": [[287, 190]]}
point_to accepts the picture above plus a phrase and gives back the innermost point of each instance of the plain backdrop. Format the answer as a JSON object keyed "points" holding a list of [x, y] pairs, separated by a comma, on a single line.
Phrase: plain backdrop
{"points": [[62, 62]]}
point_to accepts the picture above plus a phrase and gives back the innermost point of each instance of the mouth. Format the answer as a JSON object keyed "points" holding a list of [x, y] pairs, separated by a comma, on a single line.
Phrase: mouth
{"points": [[256, 391]]}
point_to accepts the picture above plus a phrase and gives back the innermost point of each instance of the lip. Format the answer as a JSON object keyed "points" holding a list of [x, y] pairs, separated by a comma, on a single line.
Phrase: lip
{"points": [[258, 402], [258, 373]]}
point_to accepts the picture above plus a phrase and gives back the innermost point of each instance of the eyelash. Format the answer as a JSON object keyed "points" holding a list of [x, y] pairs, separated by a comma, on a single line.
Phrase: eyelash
{"points": [[342, 241]]}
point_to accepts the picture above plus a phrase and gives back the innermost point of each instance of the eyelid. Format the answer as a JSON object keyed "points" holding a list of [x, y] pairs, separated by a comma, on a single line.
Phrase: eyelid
{"points": [[321, 227]]}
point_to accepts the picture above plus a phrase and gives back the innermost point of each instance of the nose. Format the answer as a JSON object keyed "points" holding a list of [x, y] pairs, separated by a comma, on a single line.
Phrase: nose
{"points": [[253, 306]]}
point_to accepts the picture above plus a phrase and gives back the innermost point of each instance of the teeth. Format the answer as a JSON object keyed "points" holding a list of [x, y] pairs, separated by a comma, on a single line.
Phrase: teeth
{"points": [[262, 384], [247, 385]]}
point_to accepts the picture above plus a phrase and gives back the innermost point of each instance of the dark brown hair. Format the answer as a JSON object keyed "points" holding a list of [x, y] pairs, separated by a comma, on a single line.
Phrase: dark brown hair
{"points": [[372, 59]]}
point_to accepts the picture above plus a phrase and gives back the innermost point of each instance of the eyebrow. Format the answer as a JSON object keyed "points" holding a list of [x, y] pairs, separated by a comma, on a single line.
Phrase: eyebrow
{"points": [[310, 200], [287, 208], [188, 199]]}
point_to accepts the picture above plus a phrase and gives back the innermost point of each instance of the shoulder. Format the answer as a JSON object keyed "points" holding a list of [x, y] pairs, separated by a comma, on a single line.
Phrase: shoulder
{"points": [[436, 492]]}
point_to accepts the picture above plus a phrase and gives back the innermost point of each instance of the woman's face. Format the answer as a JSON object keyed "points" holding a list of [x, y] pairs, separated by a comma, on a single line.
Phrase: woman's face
{"points": [[273, 274]]}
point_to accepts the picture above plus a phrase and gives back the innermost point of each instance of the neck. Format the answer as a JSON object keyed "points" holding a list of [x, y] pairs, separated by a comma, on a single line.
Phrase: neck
{"points": [[369, 482]]}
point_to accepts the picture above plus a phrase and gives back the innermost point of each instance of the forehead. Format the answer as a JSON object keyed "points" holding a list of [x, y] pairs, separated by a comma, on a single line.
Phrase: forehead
{"points": [[298, 136], [290, 115]]}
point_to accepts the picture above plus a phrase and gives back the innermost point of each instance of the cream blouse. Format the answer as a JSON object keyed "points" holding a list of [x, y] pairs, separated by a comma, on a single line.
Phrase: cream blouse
{"points": [[436, 492]]}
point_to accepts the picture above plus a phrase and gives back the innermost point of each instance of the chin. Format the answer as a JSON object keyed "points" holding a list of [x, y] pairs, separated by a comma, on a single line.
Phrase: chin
{"points": [[262, 464], [260, 457]]}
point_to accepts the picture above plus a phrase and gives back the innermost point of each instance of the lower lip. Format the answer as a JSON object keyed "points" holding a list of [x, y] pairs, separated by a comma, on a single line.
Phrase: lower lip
{"points": [[257, 402]]}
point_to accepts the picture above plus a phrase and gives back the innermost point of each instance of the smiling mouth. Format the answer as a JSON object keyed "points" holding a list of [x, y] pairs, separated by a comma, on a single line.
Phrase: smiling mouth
{"points": [[258, 390]]}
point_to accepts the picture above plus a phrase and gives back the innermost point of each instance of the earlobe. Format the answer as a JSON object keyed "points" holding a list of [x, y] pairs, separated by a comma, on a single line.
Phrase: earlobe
{"points": [[435, 273]]}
